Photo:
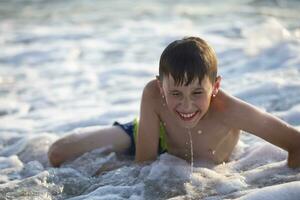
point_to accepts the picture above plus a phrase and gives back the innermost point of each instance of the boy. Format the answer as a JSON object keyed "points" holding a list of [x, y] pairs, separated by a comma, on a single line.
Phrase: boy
{"points": [[185, 100]]}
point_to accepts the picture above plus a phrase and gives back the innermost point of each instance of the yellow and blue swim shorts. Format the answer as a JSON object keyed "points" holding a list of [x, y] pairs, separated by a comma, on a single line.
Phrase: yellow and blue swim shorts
{"points": [[131, 128]]}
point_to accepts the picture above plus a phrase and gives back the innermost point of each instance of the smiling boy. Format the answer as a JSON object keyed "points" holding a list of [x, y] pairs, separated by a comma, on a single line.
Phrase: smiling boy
{"points": [[185, 98]]}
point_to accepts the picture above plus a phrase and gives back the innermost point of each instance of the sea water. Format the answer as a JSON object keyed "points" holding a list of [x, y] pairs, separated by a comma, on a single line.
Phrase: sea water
{"points": [[68, 66], [191, 150]]}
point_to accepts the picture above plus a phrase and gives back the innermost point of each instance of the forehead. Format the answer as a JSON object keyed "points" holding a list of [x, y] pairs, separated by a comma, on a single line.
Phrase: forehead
{"points": [[169, 83]]}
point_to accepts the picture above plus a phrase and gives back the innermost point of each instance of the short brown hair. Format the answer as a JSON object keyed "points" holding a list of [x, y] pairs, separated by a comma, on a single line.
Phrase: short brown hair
{"points": [[187, 59]]}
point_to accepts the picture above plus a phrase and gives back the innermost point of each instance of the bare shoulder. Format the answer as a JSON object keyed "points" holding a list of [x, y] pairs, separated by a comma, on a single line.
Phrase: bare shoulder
{"points": [[224, 103], [232, 111], [151, 89], [237, 113], [223, 109], [151, 95]]}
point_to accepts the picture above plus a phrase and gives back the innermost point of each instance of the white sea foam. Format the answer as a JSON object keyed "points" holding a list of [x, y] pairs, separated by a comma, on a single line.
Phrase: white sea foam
{"points": [[65, 66]]}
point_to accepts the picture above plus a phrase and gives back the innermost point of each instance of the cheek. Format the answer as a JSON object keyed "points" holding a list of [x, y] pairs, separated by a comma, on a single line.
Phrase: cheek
{"points": [[171, 102], [202, 102]]}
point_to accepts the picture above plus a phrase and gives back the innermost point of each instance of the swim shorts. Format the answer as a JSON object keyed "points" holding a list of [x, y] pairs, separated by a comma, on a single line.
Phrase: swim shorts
{"points": [[131, 129]]}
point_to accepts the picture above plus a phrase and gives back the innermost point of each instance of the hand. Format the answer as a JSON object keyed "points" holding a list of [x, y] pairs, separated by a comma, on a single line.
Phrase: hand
{"points": [[294, 159]]}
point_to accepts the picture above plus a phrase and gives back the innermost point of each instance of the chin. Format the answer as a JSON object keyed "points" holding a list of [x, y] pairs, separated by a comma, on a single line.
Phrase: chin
{"points": [[188, 125]]}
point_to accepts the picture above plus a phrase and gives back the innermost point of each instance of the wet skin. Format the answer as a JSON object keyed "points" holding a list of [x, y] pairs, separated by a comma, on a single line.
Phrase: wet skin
{"points": [[195, 108]]}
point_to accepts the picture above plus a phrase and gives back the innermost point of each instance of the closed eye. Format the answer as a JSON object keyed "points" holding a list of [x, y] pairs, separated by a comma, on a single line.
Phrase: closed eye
{"points": [[200, 92], [175, 93]]}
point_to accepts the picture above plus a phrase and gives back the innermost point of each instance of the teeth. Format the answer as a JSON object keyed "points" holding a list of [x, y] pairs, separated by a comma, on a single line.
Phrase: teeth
{"points": [[187, 115]]}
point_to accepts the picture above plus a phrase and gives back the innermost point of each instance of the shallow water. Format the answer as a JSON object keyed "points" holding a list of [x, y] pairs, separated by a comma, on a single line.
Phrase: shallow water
{"points": [[61, 60]]}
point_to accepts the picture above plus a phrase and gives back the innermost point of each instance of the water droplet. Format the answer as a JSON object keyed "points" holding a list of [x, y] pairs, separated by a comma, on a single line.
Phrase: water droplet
{"points": [[212, 151]]}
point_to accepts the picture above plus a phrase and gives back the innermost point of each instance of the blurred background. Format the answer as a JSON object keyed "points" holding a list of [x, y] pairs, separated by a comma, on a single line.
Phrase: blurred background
{"points": [[71, 64], [65, 64]]}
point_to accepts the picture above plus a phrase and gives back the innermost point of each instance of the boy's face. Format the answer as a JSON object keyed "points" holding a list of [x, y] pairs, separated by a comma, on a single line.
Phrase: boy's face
{"points": [[188, 104]]}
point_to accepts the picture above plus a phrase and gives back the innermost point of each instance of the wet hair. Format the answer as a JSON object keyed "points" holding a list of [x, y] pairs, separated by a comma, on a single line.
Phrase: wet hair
{"points": [[188, 59]]}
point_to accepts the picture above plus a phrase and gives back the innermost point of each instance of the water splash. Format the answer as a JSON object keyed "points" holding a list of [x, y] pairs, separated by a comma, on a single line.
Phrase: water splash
{"points": [[192, 153]]}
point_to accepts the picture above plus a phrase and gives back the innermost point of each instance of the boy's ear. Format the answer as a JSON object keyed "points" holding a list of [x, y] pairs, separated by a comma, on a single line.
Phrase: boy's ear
{"points": [[217, 85], [159, 84]]}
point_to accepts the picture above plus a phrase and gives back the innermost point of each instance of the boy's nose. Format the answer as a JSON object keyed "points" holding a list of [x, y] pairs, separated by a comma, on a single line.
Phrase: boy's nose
{"points": [[187, 104]]}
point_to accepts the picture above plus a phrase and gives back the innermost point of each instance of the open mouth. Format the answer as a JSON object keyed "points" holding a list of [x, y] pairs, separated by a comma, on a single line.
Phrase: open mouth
{"points": [[187, 116]]}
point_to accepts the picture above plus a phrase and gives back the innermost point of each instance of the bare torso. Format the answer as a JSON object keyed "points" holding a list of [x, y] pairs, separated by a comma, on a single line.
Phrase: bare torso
{"points": [[211, 139]]}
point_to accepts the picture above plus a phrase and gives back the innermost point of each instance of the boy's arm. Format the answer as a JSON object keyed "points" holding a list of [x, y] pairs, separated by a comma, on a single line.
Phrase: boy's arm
{"points": [[148, 129], [264, 125]]}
